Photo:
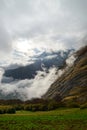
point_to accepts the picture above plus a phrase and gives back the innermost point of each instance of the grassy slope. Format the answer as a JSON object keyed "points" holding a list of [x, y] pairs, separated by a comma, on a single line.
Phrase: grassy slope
{"points": [[62, 119]]}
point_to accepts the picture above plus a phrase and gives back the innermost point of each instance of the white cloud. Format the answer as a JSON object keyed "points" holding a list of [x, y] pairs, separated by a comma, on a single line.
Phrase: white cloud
{"points": [[1, 73], [27, 89], [70, 61], [5, 40], [52, 23], [50, 57]]}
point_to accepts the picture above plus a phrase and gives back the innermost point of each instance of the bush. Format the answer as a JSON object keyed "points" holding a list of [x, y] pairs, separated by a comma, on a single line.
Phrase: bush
{"points": [[28, 107], [36, 107], [2, 111], [52, 105], [19, 107], [84, 106], [72, 105], [43, 107], [10, 110], [7, 109]]}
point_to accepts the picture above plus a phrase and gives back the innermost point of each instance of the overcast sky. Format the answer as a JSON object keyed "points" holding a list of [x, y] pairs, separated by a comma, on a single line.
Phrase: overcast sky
{"points": [[30, 26], [51, 24]]}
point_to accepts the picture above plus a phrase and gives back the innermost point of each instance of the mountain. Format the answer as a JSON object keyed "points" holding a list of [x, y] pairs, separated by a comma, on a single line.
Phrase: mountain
{"points": [[72, 84], [41, 61]]}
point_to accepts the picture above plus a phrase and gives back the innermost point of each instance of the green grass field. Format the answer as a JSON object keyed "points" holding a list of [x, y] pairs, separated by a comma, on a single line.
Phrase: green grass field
{"points": [[62, 119]]}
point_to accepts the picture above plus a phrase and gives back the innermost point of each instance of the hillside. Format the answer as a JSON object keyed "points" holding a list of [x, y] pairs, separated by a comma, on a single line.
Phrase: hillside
{"points": [[73, 83]]}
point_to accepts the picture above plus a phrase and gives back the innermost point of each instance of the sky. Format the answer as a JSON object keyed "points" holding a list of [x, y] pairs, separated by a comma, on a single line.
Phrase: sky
{"points": [[30, 27], [42, 24]]}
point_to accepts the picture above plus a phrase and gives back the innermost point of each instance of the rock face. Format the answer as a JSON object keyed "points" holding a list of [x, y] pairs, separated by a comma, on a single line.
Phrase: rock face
{"points": [[73, 82]]}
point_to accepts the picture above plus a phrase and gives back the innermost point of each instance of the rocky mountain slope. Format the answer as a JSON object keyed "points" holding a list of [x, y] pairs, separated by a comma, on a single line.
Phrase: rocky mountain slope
{"points": [[73, 83]]}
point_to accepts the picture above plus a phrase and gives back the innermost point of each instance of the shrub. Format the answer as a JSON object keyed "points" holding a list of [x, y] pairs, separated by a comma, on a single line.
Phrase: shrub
{"points": [[52, 105], [36, 107], [7, 109], [72, 105], [43, 107], [28, 107], [2, 111], [10, 110], [19, 107], [84, 106]]}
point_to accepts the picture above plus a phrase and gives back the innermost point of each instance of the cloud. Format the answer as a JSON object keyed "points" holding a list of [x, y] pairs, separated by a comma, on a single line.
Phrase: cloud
{"points": [[50, 57], [1, 73], [32, 88], [5, 40], [57, 22], [27, 89], [70, 61]]}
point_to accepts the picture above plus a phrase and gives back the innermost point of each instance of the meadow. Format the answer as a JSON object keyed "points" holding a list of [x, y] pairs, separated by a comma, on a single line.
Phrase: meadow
{"points": [[60, 119]]}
